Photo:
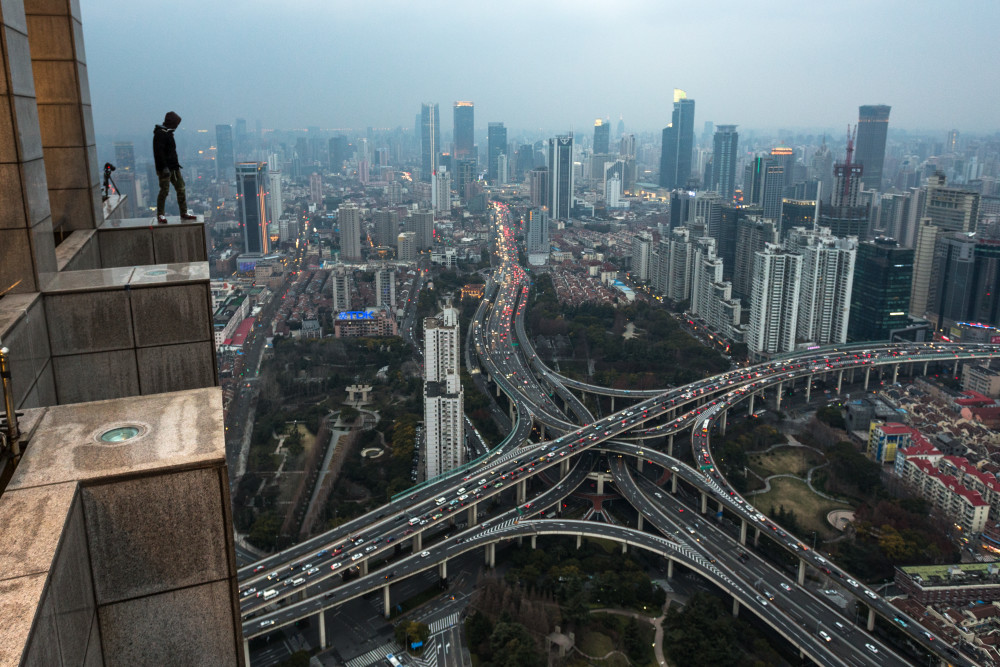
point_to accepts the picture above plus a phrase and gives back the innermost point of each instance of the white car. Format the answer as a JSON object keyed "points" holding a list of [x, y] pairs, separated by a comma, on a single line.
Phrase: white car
{"points": [[786, 587], [871, 647], [824, 636], [851, 582], [425, 554], [870, 594], [355, 556]]}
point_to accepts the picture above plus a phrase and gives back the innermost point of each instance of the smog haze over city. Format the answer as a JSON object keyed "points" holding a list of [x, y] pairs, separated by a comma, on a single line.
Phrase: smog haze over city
{"points": [[545, 66]]}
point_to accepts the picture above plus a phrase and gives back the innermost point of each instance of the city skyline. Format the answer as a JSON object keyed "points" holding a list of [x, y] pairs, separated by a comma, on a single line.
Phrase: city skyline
{"points": [[379, 83]]}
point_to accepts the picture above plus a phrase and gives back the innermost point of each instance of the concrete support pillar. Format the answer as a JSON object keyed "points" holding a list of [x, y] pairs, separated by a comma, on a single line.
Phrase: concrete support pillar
{"points": [[777, 400], [513, 412], [600, 484], [743, 532], [472, 516], [364, 568], [541, 431], [704, 502], [564, 467], [756, 536], [322, 625], [418, 542], [801, 578], [895, 373], [871, 619], [497, 386], [925, 367], [624, 548], [955, 370], [718, 507], [736, 608], [639, 527], [840, 380], [639, 462], [673, 483], [534, 541], [753, 395], [443, 569], [579, 541], [246, 652], [386, 603], [809, 386], [670, 445], [670, 568], [491, 555], [520, 540], [522, 491], [868, 373], [853, 368], [722, 422], [612, 404]]}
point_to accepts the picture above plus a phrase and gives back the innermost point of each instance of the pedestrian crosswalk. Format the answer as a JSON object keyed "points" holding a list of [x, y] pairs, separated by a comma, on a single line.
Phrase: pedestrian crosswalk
{"points": [[375, 656], [444, 623]]}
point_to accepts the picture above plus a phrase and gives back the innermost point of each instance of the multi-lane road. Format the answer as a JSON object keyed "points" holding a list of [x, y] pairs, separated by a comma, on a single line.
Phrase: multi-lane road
{"points": [[309, 577]]}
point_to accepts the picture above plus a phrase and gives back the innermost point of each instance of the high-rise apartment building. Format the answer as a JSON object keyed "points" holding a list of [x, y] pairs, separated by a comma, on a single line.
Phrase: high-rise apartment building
{"points": [[538, 185], [339, 153], [561, 176], [537, 233], [465, 176], [225, 157], [316, 190], [430, 140], [252, 192], [724, 157], [827, 283], [441, 193], [406, 247], [753, 234], [642, 247], [340, 286], [771, 189], [349, 224], [421, 223], [444, 427], [602, 136], [277, 199], [465, 130], [678, 142], [496, 145], [774, 301], [880, 300], [385, 287], [711, 296], [965, 281], [873, 125], [386, 227]]}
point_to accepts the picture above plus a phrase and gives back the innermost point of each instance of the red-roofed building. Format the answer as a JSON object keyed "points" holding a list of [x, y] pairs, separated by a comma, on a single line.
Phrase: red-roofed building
{"points": [[886, 438], [919, 448], [965, 507]]}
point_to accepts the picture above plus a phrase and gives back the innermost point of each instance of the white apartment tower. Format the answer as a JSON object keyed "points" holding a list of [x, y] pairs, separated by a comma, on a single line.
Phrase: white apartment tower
{"points": [[827, 283], [349, 222], [385, 287], [444, 432], [642, 246], [774, 301], [340, 284]]}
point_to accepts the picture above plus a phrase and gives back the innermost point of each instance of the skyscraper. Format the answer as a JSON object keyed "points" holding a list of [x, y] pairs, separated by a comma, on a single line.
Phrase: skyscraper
{"points": [[561, 176], [465, 128], [386, 227], [724, 157], [602, 136], [873, 124], [441, 193], [496, 137], [340, 286], [349, 223], [252, 188], [678, 142], [443, 396], [338, 149], [430, 140], [772, 186], [827, 283], [880, 300], [316, 190], [642, 247], [774, 301], [225, 157], [538, 184], [406, 247], [965, 280], [385, 287], [821, 168]]}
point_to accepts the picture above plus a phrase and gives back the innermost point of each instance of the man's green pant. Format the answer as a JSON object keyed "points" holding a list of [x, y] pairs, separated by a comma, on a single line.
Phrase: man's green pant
{"points": [[168, 176]]}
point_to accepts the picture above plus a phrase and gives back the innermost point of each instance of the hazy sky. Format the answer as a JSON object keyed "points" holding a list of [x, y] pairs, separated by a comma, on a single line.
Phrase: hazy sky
{"points": [[547, 64]]}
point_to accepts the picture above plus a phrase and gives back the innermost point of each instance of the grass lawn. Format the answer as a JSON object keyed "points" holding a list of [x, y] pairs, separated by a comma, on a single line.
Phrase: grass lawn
{"points": [[785, 460], [596, 644], [795, 495]]}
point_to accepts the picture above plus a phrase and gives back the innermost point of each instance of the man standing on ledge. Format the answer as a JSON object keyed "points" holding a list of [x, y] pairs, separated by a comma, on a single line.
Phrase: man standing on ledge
{"points": [[167, 168]]}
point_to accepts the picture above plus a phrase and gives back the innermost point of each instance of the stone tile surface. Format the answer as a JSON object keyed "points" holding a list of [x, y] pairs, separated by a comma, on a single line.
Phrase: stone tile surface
{"points": [[126, 248], [80, 378], [34, 519], [142, 539], [174, 314], [178, 430], [85, 322], [176, 367], [19, 601], [199, 632]]}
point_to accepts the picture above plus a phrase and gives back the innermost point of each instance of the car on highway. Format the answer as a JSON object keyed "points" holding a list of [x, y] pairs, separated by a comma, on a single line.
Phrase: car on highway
{"points": [[824, 636], [871, 647], [425, 554], [786, 587]]}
